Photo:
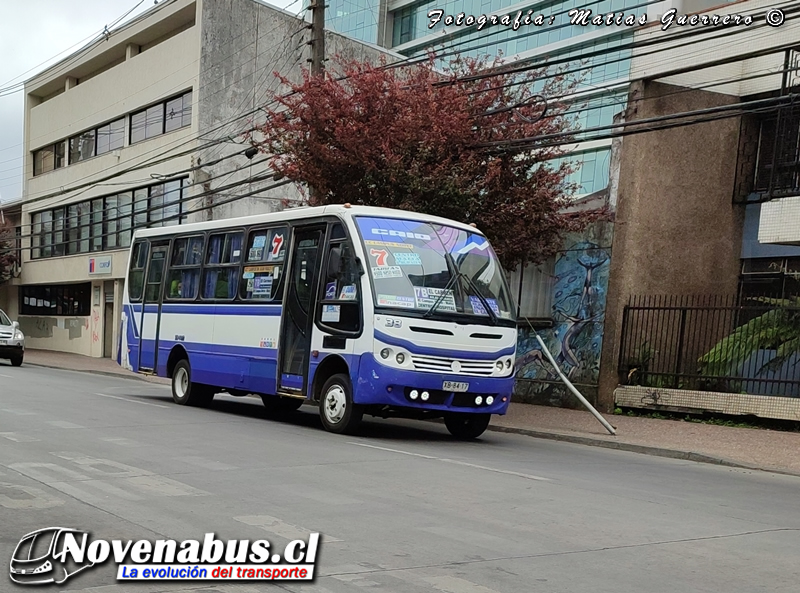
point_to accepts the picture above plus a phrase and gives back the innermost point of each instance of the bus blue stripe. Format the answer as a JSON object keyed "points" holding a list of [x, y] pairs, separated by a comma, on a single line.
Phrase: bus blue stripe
{"points": [[212, 309], [426, 351]]}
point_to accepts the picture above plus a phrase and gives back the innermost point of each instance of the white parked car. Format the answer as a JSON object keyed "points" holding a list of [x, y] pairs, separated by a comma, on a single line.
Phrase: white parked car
{"points": [[12, 340]]}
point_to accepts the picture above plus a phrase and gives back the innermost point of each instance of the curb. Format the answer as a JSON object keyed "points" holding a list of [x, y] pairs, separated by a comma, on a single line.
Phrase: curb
{"points": [[642, 449], [132, 376]]}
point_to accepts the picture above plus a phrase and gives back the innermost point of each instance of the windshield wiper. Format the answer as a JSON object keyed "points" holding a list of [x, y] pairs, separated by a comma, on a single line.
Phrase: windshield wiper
{"points": [[481, 298], [440, 298]]}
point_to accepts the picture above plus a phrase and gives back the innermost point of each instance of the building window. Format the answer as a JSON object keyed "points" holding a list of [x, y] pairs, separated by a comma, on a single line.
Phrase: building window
{"points": [[97, 141], [532, 288], [61, 299], [771, 278], [778, 165], [48, 158], [106, 223], [163, 117]]}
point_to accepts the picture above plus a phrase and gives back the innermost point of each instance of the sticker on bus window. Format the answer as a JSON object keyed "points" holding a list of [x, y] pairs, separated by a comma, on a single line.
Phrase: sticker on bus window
{"points": [[380, 256], [479, 309], [348, 293], [407, 259], [426, 297], [255, 254], [330, 313], [259, 269], [330, 290], [268, 343], [262, 286], [389, 244], [260, 241], [387, 272], [248, 275], [250, 284], [389, 300], [277, 246]]}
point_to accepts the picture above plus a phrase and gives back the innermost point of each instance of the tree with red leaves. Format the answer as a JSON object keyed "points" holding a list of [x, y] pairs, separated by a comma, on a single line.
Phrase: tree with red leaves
{"points": [[407, 137], [8, 254]]}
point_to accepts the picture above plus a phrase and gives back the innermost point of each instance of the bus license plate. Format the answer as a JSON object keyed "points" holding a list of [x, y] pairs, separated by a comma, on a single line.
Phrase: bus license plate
{"points": [[454, 386]]}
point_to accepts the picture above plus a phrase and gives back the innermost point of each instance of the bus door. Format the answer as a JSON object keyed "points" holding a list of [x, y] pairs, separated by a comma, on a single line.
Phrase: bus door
{"points": [[151, 306], [298, 311]]}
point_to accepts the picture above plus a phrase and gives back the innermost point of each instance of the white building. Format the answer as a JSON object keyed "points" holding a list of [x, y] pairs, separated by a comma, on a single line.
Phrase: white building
{"points": [[138, 129]]}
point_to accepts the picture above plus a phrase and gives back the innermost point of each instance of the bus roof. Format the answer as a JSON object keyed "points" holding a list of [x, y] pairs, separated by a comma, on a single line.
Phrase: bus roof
{"points": [[292, 214]]}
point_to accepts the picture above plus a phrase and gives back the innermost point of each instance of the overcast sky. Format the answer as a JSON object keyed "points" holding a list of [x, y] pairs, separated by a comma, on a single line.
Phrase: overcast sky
{"points": [[35, 34]]}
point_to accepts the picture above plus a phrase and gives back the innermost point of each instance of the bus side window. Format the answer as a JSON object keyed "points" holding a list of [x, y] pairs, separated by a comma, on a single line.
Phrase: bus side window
{"points": [[136, 274], [183, 280], [340, 300], [222, 266], [265, 258]]}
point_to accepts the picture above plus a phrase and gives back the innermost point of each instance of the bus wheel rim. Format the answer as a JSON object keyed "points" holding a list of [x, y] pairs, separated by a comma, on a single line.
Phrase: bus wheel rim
{"points": [[181, 382], [335, 404]]}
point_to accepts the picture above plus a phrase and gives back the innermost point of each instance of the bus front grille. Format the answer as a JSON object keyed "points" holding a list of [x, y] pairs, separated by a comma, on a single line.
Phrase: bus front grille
{"points": [[436, 364]]}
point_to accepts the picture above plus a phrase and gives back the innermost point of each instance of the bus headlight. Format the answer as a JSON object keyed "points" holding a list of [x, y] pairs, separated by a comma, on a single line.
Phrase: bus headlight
{"points": [[508, 363], [385, 353], [414, 394], [425, 395], [400, 358], [499, 365], [478, 400], [489, 400]]}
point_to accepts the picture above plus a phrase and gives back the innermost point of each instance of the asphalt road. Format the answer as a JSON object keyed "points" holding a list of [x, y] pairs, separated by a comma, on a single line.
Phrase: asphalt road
{"points": [[402, 506]]}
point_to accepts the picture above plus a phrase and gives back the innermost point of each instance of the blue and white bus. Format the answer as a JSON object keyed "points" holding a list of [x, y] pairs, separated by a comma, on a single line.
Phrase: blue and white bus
{"points": [[358, 310]]}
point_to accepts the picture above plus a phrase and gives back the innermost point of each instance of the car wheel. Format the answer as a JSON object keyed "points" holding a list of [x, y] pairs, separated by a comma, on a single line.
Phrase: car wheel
{"points": [[336, 408], [186, 393], [467, 426], [276, 404], [16, 360]]}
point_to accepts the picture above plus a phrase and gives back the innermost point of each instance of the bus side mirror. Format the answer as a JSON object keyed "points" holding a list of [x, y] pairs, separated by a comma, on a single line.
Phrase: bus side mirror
{"points": [[334, 262]]}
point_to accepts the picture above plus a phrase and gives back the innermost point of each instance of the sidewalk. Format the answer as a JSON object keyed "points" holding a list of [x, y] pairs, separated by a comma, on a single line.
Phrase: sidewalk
{"points": [[738, 447]]}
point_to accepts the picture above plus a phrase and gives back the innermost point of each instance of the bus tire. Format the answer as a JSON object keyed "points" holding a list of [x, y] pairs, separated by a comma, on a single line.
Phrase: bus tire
{"points": [[467, 426], [186, 393], [276, 404], [336, 408]]}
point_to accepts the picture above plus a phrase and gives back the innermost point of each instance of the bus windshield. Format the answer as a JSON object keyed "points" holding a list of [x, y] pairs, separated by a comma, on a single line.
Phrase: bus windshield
{"points": [[430, 267]]}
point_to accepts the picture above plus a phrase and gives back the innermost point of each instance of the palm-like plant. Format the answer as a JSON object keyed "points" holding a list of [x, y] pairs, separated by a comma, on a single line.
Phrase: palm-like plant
{"points": [[777, 329]]}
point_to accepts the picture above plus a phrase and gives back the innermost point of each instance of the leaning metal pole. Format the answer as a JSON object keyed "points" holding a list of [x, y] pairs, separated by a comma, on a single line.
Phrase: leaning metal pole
{"points": [[572, 388]]}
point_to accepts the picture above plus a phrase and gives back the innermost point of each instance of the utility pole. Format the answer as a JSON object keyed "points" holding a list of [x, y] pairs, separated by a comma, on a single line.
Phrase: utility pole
{"points": [[317, 42]]}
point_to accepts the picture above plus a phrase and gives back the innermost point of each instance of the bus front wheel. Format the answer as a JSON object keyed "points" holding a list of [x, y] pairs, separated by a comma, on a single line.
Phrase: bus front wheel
{"points": [[186, 393], [336, 408], [467, 426]]}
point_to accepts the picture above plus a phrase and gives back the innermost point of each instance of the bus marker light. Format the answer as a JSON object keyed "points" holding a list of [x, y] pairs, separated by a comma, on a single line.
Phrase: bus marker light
{"points": [[388, 388], [504, 399], [315, 353]]}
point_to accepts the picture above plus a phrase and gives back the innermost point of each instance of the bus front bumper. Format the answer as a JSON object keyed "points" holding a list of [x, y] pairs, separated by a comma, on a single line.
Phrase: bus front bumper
{"points": [[382, 385]]}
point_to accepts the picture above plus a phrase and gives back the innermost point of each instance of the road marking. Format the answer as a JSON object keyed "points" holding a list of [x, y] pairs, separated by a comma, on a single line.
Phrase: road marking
{"points": [[17, 438], [133, 401], [6, 376], [206, 463], [457, 585], [356, 579], [26, 497], [19, 412], [63, 424], [101, 467], [282, 529], [456, 462], [123, 442], [161, 486]]}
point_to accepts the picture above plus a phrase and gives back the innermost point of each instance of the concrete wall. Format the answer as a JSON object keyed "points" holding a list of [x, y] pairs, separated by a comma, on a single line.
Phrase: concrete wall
{"points": [[244, 43], [677, 231]]}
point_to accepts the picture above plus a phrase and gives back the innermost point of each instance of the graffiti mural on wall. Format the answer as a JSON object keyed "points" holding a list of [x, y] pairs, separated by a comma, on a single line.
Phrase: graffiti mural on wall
{"points": [[575, 340]]}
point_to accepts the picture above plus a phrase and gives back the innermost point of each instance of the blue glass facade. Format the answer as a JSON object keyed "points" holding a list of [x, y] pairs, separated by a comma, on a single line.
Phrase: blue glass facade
{"points": [[356, 18]]}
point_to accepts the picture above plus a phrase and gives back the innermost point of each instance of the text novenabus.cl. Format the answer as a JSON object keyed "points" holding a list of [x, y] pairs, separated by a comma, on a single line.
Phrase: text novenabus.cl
{"points": [[69, 551]]}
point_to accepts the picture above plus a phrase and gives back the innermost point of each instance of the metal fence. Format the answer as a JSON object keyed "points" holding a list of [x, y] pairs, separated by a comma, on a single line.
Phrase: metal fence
{"points": [[712, 343]]}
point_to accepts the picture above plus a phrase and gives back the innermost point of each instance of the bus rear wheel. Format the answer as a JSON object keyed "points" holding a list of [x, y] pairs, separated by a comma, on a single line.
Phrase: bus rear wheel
{"points": [[467, 426], [336, 408], [184, 391]]}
